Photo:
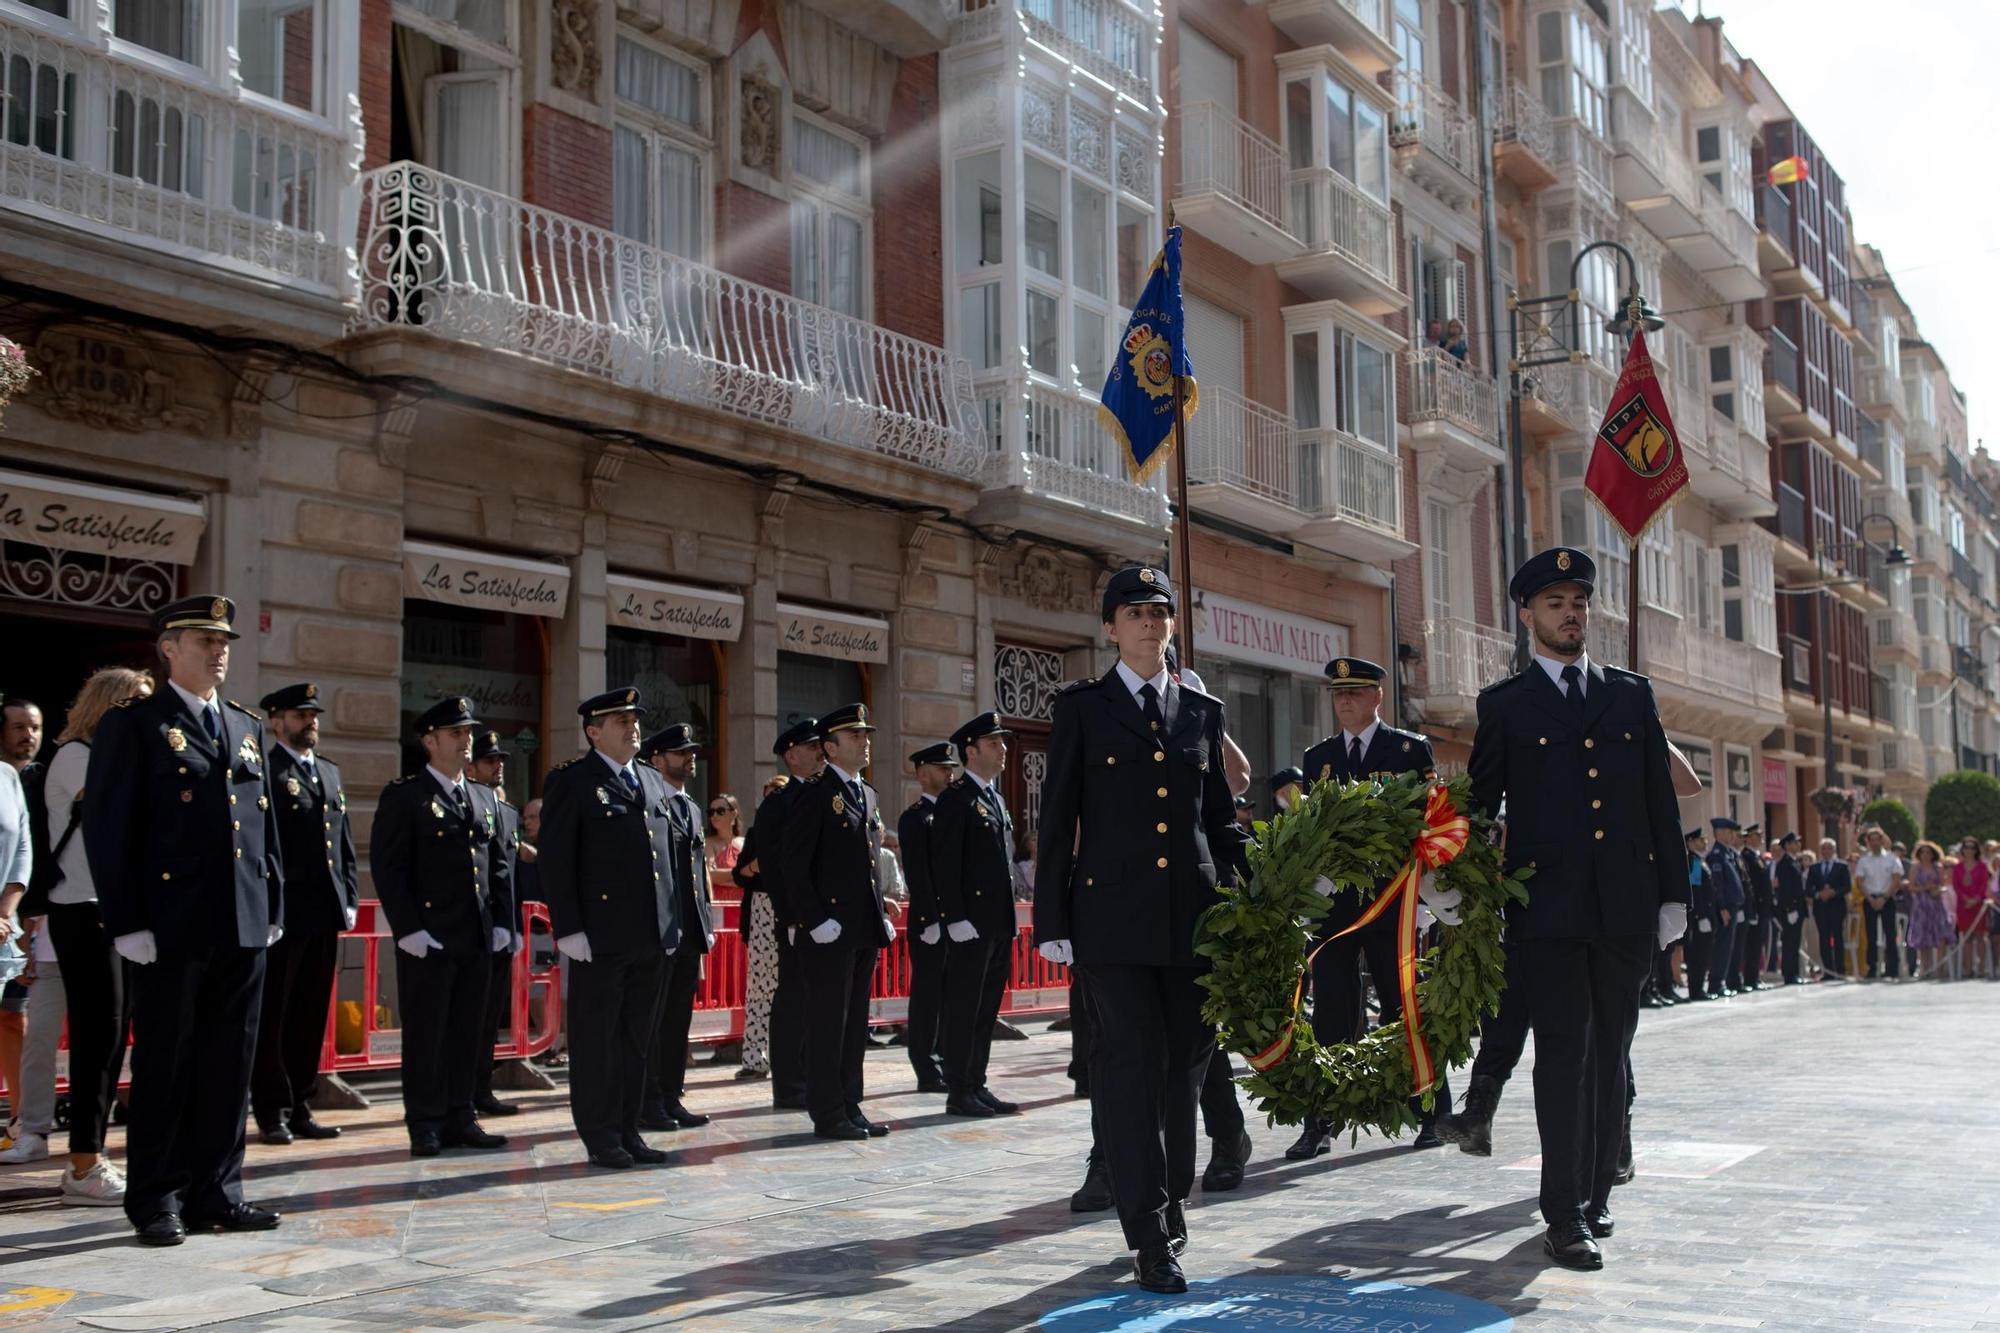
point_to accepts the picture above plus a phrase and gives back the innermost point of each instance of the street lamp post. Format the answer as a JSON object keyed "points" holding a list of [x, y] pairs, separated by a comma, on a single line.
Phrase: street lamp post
{"points": [[1554, 336]]}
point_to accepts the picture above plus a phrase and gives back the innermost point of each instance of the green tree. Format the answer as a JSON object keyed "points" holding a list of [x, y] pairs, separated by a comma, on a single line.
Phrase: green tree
{"points": [[1895, 819], [1967, 801]]}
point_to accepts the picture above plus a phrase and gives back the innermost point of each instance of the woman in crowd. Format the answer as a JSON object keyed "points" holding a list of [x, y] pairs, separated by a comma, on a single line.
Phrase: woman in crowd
{"points": [[17, 863], [725, 833], [759, 925], [1931, 933], [1972, 883], [94, 981]]}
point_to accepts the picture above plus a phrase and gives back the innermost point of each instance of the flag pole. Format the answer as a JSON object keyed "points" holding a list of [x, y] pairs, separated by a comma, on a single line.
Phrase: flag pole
{"points": [[1183, 552], [1632, 619]]}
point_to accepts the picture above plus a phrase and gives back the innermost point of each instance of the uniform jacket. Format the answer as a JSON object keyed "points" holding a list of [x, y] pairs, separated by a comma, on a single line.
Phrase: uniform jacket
{"points": [[1791, 885], [972, 859], [689, 867], [1389, 752], [179, 831], [1758, 902], [1829, 874], [763, 845], [1590, 802], [1701, 893], [1725, 872], [832, 858], [607, 859], [913, 834], [510, 843], [322, 876], [438, 870], [1137, 826]]}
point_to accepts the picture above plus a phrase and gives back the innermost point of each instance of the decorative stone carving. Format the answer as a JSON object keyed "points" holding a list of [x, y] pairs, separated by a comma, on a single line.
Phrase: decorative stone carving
{"points": [[1041, 116], [975, 112], [1087, 140], [108, 386], [1136, 158], [1042, 580], [763, 125], [574, 63]]}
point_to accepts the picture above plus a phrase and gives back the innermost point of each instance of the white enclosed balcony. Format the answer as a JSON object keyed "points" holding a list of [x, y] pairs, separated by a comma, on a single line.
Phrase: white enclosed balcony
{"points": [[1451, 407], [1114, 42], [1584, 163], [1355, 28], [1460, 660], [1653, 176], [1437, 142], [1232, 185], [1524, 140], [1881, 395], [1719, 681], [1347, 253], [1050, 466], [1721, 246], [126, 144], [1353, 497], [1336, 124], [461, 264]]}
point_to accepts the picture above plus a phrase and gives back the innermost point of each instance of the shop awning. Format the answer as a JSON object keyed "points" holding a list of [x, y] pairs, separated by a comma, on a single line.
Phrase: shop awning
{"points": [[104, 520], [672, 608], [480, 579], [851, 638]]}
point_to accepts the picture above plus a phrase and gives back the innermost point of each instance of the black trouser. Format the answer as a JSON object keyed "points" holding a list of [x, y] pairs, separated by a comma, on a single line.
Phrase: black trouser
{"points": [[928, 971], [1585, 1004], [1885, 917], [1754, 946], [298, 990], [837, 980], [1145, 1086], [444, 1015], [499, 1019], [1082, 1030], [98, 995], [1698, 951], [1503, 1034], [1338, 1012], [194, 1035], [1722, 964], [788, 1022], [666, 1072], [1663, 970], [1830, 918], [1221, 1112], [976, 975], [1791, 935], [612, 1001]]}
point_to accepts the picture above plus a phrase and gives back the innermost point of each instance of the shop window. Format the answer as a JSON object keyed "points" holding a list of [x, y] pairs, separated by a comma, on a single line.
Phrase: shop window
{"points": [[679, 680], [811, 686], [498, 661]]}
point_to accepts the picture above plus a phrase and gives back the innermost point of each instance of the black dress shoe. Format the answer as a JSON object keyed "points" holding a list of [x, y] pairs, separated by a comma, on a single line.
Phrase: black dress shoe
{"points": [[967, 1104], [1568, 1242], [746, 1073], [1176, 1228], [1312, 1142], [643, 1155], [871, 1128], [491, 1105], [425, 1143], [163, 1229], [277, 1134], [933, 1085], [1600, 1222], [236, 1217], [1158, 1270], [658, 1121], [683, 1117], [613, 1159], [842, 1130], [1428, 1137], [1094, 1196], [1005, 1031], [472, 1136], [1225, 1164], [999, 1107], [303, 1126]]}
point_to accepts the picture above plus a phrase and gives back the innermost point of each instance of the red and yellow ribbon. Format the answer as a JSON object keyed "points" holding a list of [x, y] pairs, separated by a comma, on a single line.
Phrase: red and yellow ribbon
{"points": [[1444, 836]]}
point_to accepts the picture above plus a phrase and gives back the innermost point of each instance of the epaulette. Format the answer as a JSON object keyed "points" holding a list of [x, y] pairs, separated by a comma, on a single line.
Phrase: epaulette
{"points": [[1629, 675], [813, 777], [573, 759], [1200, 694], [1501, 684], [1076, 685], [407, 777], [241, 709], [961, 780]]}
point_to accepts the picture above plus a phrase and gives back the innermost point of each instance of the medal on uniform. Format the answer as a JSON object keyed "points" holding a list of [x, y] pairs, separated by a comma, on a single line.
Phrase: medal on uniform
{"points": [[1325, 772], [603, 796], [248, 750], [980, 806], [292, 785], [340, 800], [176, 739], [437, 808], [839, 806]]}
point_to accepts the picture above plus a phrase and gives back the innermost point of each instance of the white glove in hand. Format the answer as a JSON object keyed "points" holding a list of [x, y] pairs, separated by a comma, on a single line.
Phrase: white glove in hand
{"points": [[277, 933], [418, 943], [347, 915], [962, 932], [138, 947], [709, 943], [1323, 887], [575, 947], [932, 933], [1424, 918], [826, 932], [1673, 922], [1057, 951], [889, 926], [1442, 902], [1705, 926], [502, 937]]}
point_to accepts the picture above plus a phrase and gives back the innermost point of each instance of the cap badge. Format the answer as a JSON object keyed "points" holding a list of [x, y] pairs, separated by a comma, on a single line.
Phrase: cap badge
{"points": [[176, 739], [1562, 559], [1145, 576], [312, 691], [861, 712], [219, 610], [1341, 669], [631, 695], [465, 705]]}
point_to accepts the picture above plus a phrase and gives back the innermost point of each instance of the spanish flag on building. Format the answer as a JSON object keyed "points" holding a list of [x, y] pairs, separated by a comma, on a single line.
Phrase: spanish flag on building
{"points": [[1788, 171], [1138, 403], [1636, 467]]}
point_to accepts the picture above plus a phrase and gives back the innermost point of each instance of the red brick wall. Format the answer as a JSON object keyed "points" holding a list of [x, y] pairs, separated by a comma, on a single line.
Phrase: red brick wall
{"points": [[909, 220], [566, 164], [375, 82], [1267, 578]]}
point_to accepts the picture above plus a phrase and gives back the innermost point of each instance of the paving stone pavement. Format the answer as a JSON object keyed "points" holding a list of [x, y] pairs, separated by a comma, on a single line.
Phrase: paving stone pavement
{"points": [[1811, 1158]]}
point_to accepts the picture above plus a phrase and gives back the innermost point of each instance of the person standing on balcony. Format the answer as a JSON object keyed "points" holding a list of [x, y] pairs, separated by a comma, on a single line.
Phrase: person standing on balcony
{"points": [[1725, 871], [935, 766], [674, 755], [323, 893], [489, 769], [1879, 873], [1454, 340], [1828, 884]]}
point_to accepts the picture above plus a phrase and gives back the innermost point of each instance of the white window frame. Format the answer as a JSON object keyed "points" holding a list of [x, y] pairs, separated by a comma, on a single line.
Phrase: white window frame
{"points": [[1600, 537], [826, 200], [322, 50], [505, 70], [661, 132]]}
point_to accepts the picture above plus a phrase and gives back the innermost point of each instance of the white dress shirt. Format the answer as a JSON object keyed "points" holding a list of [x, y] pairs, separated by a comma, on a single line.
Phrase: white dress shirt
{"points": [[1135, 682], [1555, 670]]}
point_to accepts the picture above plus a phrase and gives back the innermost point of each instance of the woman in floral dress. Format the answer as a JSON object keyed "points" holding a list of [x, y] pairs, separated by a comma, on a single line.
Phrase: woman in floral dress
{"points": [[1931, 932]]}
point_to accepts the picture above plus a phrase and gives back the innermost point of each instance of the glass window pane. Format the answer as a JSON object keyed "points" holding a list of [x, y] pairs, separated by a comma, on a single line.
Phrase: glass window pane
{"points": [[976, 212], [1044, 218], [1088, 218], [1371, 150], [1340, 130], [469, 130], [171, 27], [1371, 389], [1135, 252], [275, 49], [1305, 381], [979, 325], [805, 251], [683, 201], [631, 185], [660, 84], [1298, 124], [826, 158], [485, 19], [845, 261], [1044, 334], [1089, 349]]}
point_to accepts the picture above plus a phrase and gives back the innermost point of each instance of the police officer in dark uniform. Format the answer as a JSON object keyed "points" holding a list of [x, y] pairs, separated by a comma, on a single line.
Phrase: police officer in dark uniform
{"points": [[606, 857], [761, 865], [972, 859], [1137, 829], [1288, 787], [1699, 945], [1366, 748], [935, 765], [184, 850], [1577, 752], [322, 894], [832, 858], [1759, 908], [1790, 907], [442, 871], [1725, 873], [489, 769], [673, 754]]}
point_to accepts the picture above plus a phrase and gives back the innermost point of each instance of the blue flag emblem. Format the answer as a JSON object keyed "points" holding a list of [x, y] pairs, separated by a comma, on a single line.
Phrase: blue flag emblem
{"points": [[1138, 404]]}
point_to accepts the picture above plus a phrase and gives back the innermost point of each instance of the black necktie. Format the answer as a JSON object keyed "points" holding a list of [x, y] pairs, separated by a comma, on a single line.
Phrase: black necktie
{"points": [[631, 781], [1353, 755], [458, 798], [1573, 688], [211, 721], [860, 801], [1149, 704]]}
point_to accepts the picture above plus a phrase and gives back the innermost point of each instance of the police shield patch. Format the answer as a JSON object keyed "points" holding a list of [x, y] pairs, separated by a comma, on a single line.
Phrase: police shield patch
{"points": [[1639, 437]]}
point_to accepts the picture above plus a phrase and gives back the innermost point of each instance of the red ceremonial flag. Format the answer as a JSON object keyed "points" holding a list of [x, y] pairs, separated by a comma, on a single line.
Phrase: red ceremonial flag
{"points": [[1636, 469]]}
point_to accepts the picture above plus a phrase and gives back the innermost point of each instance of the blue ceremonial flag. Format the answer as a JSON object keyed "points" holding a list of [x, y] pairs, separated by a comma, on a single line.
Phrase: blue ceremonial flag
{"points": [[1138, 404]]}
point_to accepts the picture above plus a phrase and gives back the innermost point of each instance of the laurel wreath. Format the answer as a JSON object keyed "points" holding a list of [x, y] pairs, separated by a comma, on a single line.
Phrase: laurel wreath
{"points": [[1357, 835]]}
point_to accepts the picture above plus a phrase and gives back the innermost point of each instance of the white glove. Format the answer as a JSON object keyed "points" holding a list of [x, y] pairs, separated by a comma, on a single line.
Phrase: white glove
{"points": [[502, 937], [962, 932], [1673, 922], [1705, 926], [418, 943], [277, 933], [791, 934], [1323, 887], [138, 947], [1057, 951], [347, 915], [709, 942], [932, 933], [575, 947], [1424, 918], [1791, 918], [826, 932], [889, 926], [1442, 902]]}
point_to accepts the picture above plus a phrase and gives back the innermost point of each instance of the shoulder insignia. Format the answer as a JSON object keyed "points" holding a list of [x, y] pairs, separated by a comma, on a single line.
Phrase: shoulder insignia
{"points": [[573, 759], [1076, 685], [961, 781], [241, 709], [407, 777], [1192, 692], [811, 778], [1501, 684], [1616, 673]]}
